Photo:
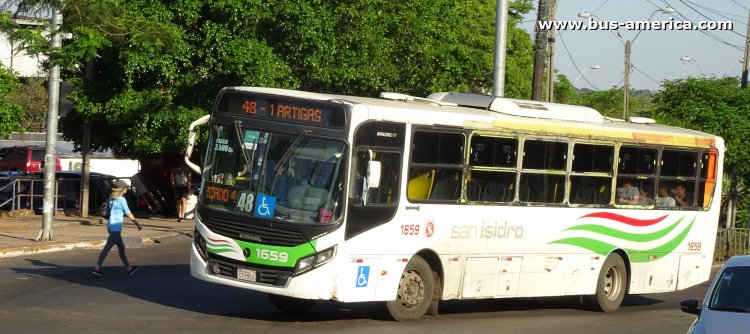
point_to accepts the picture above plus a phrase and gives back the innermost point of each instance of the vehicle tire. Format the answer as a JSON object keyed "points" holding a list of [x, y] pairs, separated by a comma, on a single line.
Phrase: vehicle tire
{"points": [[611, 285], [291, 305], [415, 290]]}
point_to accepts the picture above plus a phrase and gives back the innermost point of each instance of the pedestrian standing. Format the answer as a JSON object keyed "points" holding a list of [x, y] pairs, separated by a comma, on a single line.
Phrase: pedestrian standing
{"points": [[118, 209], [181, 182]]}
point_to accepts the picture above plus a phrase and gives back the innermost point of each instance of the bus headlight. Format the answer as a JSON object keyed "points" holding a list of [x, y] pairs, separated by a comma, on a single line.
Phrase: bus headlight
{"points": [[318, 259], [200, 244]]}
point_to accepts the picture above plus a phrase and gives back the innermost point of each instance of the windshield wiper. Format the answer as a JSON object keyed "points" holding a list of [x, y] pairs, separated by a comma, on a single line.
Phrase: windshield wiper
{"points": [[281, 165], [238, 132]]}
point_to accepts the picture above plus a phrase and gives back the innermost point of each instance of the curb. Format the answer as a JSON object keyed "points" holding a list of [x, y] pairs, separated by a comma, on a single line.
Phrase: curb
{"points": [[20, 251], [12, 225], [13, 252]]}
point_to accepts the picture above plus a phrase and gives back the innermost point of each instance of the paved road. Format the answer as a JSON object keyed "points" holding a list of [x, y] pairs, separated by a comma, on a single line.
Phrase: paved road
{"points": [[54, 292]]}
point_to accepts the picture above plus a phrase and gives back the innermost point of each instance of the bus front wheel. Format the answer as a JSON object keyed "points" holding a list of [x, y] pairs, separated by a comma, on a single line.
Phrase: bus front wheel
{"points": [[415, 290], [611, 285], [291, 305]]}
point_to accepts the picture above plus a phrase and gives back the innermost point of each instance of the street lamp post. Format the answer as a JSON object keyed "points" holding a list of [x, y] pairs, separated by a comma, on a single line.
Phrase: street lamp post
{"points": [[687, 59], [628, 44], [730, 67], [590, 67]]}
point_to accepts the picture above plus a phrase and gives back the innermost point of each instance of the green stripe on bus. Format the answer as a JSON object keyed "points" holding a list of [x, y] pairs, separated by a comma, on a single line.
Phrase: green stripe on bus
{"points": [[608, 231], [603, 248]]}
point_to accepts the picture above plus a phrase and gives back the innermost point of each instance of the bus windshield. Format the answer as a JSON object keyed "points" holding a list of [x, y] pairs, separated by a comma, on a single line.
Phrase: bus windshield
{"points": [[294, 178]]}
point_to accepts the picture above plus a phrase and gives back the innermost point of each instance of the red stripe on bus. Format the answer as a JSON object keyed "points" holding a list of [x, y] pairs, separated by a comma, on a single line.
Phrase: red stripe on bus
{"points": [[624, 219]]}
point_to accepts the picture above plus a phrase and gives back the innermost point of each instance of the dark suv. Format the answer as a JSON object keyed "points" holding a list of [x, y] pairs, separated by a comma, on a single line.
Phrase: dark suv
{"points": [[68, 190]]}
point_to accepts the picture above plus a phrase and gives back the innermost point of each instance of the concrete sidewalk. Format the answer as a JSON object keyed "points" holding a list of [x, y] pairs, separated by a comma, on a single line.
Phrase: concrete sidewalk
{"points": [[17, 233]]}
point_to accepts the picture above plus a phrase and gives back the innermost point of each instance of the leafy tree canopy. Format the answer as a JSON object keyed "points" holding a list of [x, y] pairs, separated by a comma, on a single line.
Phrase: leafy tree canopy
{"points": [[11, 114], [156, 65], [714, 105]]}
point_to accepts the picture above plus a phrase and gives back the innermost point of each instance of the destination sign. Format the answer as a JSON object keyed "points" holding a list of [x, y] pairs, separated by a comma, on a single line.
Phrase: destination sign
{"points": [[285, 110]]}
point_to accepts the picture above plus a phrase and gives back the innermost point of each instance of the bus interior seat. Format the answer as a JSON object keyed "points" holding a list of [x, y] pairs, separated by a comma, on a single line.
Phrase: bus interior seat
{"points": [[494, 192], [446, 188], [473, 190], [302, 197], [421, 185], [604, 195], [585, 195]]}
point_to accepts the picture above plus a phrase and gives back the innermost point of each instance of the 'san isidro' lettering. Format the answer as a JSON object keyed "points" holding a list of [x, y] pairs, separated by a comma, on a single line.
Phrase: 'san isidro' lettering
{"points": [[487, 231]]}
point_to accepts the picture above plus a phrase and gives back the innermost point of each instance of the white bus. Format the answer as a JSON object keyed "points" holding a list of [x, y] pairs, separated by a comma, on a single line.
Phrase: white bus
{"points": [[410, 201]]}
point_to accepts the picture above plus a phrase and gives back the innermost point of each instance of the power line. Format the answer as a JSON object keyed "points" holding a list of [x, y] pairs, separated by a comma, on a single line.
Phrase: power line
{"points": [[719, 13], [644, 73], [738, 4], [600, 6], [574, 63], [683, 17], [708, 18]]}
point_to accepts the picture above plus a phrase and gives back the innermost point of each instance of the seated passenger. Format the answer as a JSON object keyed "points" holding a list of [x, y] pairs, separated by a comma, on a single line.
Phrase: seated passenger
{"points": [[627, 194], [644, 198], [664, 199], [681, 196]]}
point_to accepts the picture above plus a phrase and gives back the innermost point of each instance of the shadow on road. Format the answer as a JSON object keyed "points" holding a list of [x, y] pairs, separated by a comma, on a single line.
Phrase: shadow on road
{"points": [[173, 287]]}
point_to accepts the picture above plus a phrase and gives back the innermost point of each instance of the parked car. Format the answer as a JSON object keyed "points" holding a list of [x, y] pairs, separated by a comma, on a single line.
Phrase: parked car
{"points": [[726, 306], [28, 159], [68, 190]]}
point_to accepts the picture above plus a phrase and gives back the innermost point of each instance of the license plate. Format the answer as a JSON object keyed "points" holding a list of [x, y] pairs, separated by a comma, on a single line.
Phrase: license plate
{"points": [[246, 274]]}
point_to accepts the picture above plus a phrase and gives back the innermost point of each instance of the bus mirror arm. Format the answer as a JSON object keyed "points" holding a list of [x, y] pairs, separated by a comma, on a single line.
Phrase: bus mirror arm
{"points": [[191, 142]]}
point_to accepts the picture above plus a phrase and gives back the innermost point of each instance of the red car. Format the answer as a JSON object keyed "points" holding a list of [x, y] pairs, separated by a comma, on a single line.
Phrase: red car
{"points": [[27, 159]]}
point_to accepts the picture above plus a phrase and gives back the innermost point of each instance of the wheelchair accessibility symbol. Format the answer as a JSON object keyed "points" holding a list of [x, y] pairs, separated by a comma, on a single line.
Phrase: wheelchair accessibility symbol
{"points": [[363, 276], [264, 206]]}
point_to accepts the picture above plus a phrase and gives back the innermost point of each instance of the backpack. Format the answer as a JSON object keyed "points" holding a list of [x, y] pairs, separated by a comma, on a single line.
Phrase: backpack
{"points": [[104, 209]]}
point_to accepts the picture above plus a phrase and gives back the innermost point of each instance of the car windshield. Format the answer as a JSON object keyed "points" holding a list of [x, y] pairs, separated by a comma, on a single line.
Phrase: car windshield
{"points": [[295, 178], [732, 291]]}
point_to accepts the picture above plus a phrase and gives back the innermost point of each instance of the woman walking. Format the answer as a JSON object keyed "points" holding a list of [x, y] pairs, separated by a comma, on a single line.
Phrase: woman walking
{"points": [[118, 209]]}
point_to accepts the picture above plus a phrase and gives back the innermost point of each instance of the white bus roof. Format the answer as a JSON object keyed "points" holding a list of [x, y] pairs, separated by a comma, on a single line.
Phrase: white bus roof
{"points": [[482, 112]]}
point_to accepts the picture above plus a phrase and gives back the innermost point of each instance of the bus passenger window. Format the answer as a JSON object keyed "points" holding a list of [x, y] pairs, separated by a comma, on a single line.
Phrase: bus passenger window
{"points": [[387, 191], [436, 168]]}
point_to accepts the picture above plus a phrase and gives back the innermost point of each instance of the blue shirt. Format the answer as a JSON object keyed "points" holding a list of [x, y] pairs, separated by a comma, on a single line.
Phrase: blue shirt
{"points": [[117, 212]]}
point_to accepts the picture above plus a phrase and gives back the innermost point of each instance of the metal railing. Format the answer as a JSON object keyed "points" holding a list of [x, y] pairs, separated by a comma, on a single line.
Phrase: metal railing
{"points": [[26, 192], [730, 242]]}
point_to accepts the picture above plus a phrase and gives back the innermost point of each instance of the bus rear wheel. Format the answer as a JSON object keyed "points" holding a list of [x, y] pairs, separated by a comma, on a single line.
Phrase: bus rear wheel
{"points": [[291, 305], [415, 290], [611, 285]]}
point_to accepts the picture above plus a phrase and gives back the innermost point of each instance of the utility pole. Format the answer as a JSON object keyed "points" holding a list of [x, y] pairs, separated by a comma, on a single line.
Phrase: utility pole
{"points": [[626, 82], [86, 152], [540, 47], [743, 84], [501, 34], [50, 163], [551, 52], [732, 203]]}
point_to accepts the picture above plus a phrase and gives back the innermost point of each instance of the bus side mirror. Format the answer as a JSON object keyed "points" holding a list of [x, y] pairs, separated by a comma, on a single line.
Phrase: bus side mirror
{"points": [[373, 174]]}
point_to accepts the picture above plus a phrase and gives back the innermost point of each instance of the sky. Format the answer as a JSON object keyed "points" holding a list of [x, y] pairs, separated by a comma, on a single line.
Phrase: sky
{"points": [[655, 54]]}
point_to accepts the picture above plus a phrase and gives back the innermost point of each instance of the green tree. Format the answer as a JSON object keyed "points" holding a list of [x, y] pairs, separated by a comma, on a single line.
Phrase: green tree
{"points": [[156, 65], [564, 90], [11, 114], [717, 106], [607, 102], [31, 95]]}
